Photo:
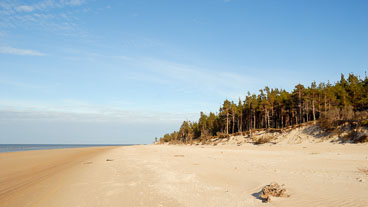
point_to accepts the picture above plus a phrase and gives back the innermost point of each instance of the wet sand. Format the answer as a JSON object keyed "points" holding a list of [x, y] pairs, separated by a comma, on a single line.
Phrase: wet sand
{"points": [[30, 177]]}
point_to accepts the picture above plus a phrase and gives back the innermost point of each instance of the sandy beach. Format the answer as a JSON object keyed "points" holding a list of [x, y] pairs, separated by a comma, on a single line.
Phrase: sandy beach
{"points": [[322, 174]]}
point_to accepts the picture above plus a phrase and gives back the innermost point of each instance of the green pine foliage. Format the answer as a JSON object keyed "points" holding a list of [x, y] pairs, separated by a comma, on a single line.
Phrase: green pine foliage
{"points": [[330, 104]]}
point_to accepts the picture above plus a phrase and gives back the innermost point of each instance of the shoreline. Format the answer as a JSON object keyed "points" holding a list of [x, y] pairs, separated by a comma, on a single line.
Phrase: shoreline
{"points": [[5, 148]]}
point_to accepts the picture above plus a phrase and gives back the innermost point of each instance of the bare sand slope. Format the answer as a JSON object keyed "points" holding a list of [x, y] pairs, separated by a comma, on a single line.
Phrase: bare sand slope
{"points": [[321, 174]]}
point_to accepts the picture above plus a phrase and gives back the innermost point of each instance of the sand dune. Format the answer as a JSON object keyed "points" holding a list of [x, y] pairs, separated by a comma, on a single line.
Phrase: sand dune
{"points": [[322, 174]]}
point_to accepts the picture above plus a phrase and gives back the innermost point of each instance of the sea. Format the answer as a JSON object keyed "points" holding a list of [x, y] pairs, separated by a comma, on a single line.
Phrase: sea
{"points": [[29, 147]]}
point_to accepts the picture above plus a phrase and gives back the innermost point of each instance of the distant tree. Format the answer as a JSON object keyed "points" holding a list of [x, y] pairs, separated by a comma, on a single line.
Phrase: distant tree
{"points": [[240, 109], [225, 111], [234, 111]]}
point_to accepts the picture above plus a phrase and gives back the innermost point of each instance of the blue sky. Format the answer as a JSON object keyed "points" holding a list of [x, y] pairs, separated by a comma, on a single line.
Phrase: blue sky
{"points": [[91, 71]]}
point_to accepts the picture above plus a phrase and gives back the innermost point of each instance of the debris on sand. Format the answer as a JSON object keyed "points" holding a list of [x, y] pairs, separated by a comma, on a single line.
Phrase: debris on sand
{"points": [[87, 163], [178, 155], [274, 190], [363, 170], [109, 160], [360, 180]]}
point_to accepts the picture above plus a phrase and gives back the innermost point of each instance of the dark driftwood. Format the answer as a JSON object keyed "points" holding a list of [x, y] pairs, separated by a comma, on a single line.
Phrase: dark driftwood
{"points": [[274, 190]]}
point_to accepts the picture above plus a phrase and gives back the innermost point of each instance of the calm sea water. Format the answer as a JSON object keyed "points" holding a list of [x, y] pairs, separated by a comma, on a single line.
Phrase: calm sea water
{"points": [[28, 147]]}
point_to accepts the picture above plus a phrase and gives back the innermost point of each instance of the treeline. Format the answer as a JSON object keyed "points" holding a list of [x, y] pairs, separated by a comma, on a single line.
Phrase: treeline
{"points": [[345, 100]]}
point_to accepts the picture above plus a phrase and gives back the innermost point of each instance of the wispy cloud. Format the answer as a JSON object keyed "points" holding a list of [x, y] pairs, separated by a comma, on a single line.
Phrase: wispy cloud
{"points": [[73, 2], [123, 57], [45, 15], [24, 8], [14, 6], [17, 51], [73, 110], [18, 84], [191, 78]]}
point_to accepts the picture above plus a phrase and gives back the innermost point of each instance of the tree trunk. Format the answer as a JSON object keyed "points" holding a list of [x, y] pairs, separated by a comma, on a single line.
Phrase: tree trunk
{"points": [[227, 122], [268, 119], [300, 105], [307, 111], [325, 102], [319, 104], [273, 116], [265, 118], [251, 122], [314, 110], [282, 119], [238, 123], [296, 117], [241, 122], [254, 119], [233, 129]]}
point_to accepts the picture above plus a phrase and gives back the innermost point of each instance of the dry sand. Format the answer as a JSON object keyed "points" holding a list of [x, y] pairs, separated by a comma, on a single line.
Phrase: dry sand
{"points": [[321, 174]]}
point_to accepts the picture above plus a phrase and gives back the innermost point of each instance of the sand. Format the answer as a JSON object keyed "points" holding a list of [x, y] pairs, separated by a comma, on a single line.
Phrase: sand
{"points": [[319, 174]]}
